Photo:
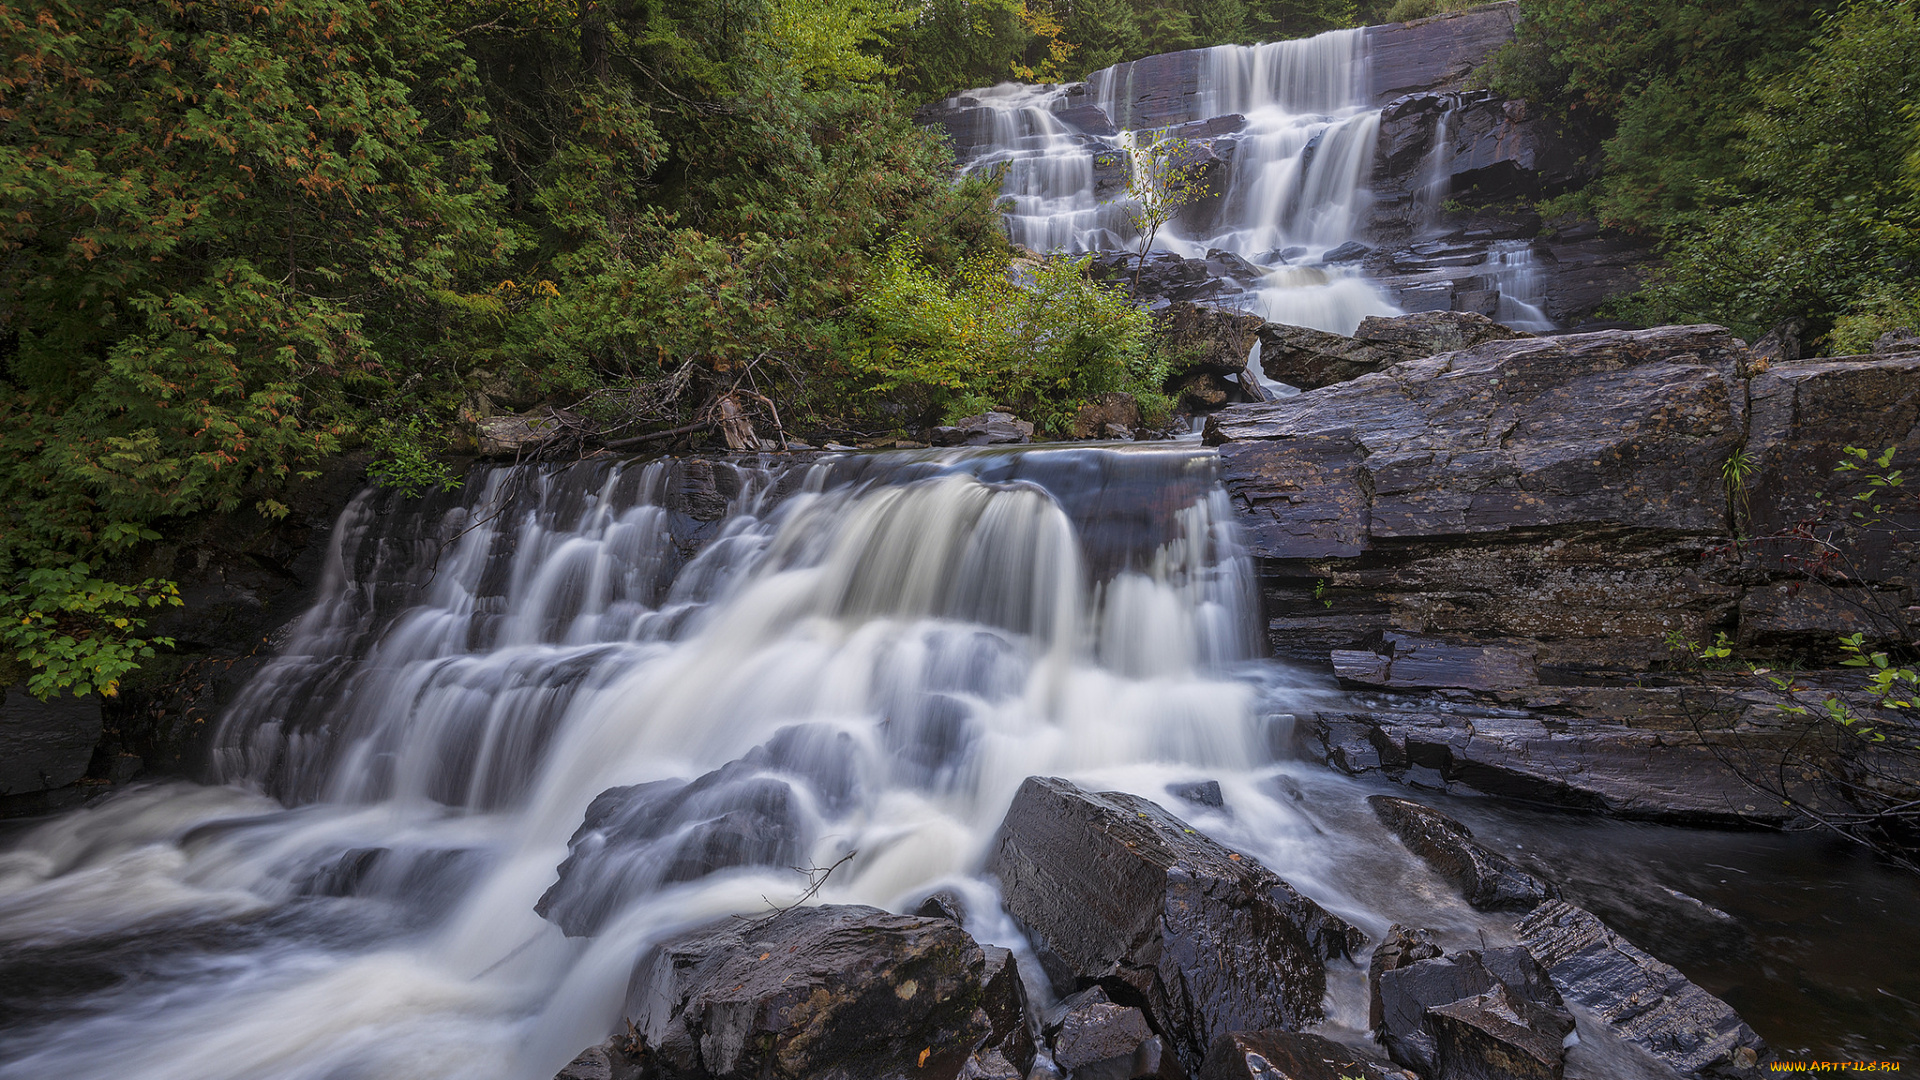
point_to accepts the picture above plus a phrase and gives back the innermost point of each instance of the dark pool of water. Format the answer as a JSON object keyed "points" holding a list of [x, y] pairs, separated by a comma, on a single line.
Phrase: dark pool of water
{"points": [[1813, 941]]}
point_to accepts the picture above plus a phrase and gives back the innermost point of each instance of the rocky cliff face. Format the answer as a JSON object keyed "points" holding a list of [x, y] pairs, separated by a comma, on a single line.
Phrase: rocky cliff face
{"points": [[1515, 528]]}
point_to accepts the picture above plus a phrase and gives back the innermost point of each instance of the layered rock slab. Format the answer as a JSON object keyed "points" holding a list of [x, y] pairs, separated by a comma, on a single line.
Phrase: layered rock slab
{"points": [[1114, 891], [1646, 1002]]}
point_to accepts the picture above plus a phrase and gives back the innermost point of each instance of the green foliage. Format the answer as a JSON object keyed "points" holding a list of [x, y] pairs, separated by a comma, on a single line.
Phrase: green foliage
{"points": [[405, 458], [1161, 180], [1823, 220], [979, 338], [76, 630]]}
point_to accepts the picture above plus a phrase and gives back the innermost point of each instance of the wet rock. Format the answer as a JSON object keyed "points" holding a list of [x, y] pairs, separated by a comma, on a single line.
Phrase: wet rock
{"points": [[1575, 482], [1404, 661], [636, 839], [1287, 1055], [827, 993], [1472, 1015], [1669, 773], [1099, 418], [1088, 119], [1646, 1002], [1435, 53], [1504, 149], [943, 905], [1161, 276], [45, 745], [1115, 891], [1351, 251], [1310, 359], [1096, 1039], [1495, 1037], [1402, 946], [1488, 880], [611, 1060], [1199, 793], [1228, 264]]}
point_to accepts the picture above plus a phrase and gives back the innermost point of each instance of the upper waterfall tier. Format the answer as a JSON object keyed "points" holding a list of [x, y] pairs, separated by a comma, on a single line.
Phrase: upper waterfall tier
{"points": [[1309, 154]]}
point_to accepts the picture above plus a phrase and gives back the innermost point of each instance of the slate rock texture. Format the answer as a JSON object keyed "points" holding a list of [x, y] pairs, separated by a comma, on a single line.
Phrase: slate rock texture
{"points": [[1114, 891], [1487, 879], [825, 993], [1648, 1003]]}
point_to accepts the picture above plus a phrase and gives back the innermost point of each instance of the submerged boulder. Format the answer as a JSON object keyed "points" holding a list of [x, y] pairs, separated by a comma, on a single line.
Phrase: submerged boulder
{"points": [[1117, 892], [828, 993]]}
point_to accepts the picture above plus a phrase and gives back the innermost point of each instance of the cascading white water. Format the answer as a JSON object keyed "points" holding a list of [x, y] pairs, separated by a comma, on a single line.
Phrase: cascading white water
{"points": [[871, 652], [1296, 186]]}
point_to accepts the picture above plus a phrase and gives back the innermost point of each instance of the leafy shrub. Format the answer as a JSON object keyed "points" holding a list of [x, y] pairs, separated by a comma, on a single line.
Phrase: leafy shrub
{"points": [[1043, 347]]}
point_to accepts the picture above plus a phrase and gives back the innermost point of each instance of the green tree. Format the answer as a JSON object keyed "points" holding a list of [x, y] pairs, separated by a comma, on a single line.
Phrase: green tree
{"points": [[225, 228], [1823, 220]]}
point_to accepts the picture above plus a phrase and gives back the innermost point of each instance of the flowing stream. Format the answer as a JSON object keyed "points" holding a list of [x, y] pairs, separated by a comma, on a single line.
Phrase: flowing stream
{"points": [[860, 653]]}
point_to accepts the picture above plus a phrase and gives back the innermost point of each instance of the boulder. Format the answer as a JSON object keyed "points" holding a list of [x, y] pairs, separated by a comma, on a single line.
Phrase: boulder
{"points": [[986, 429], [1475, 1016], [1288, 1055], [45, 745], [1115, 891], [746, 813], [1402, 946], [824, 993], [1096, 1039], [1488, 880], [1351, 251], [1646, 1002], [1310, 359], [1106, 417], [1199, 793]]}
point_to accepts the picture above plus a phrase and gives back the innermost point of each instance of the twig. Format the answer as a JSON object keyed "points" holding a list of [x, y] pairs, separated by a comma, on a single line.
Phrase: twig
{"points": [[816, 877]]}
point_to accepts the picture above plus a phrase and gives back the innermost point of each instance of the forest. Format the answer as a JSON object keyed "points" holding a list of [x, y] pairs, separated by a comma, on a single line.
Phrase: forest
{"points": [[242, 237]]}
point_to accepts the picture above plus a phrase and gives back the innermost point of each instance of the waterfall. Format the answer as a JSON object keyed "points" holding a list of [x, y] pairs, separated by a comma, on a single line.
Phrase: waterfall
{"points": [[1298, 150], [860, 653]]}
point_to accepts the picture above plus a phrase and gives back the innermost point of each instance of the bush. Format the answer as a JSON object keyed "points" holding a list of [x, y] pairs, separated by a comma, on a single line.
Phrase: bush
{"points": [[980, 338]]}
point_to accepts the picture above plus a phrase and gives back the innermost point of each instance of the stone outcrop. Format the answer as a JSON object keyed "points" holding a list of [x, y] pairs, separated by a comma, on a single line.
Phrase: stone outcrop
{"points": [[1310, 359], [1436, 53], [1647, 1003], [45, 745], [827, 993], [1519, 525], [1116, 892], [986, 429], [1487, 879]]}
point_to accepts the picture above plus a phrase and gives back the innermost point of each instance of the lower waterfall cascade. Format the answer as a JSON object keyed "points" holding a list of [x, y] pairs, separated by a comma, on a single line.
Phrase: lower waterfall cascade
{"points": [[869, 651]]}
